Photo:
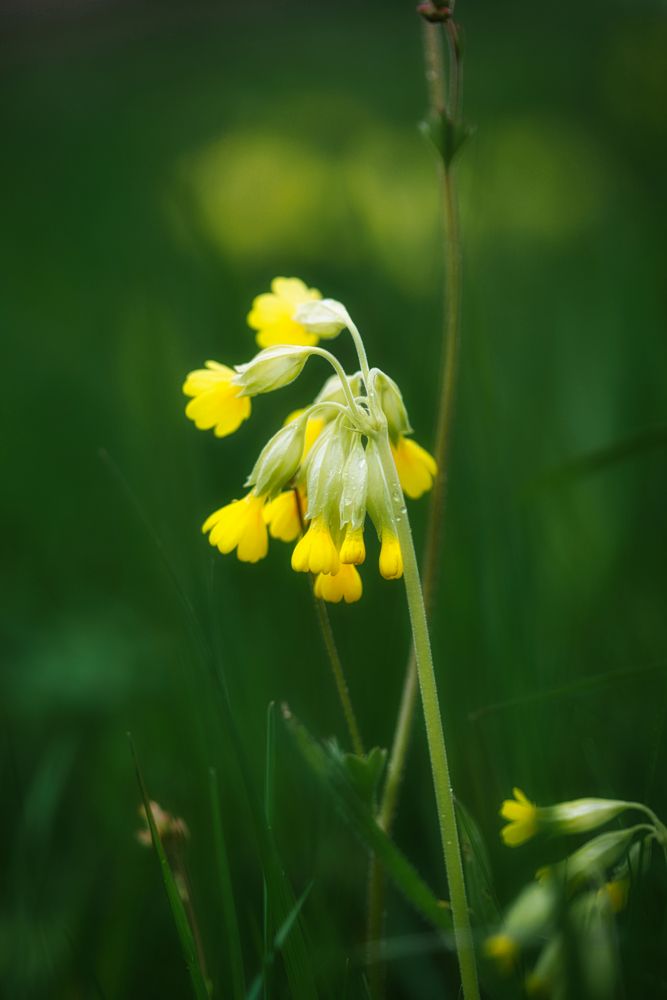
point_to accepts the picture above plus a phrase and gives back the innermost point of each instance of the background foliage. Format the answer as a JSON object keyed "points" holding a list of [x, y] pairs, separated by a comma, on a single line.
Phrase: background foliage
{"points": [[160, 164]]}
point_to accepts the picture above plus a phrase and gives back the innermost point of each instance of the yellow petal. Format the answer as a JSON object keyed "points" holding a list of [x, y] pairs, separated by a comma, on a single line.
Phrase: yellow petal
{"points": [[416, 467], [345, 585], [391, 558], [353, 550], [282, 516]]}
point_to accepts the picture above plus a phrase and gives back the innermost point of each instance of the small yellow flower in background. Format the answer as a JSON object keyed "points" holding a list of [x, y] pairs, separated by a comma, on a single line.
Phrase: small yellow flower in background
{"points": [[416, 467], [345, 585], [282, 516], [522, 814], [391, 558], [217, 402], [503, 950], [316, 552], [240, 525], [272, 314], [615, 894]]}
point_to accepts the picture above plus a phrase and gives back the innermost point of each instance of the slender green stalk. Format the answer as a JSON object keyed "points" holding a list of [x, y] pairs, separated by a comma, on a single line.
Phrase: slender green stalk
{"points": [[437, 90], [339, 675], [335, 661], [434, 730]]}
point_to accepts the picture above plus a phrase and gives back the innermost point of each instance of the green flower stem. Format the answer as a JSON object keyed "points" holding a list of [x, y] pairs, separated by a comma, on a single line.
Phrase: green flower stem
{"points": [[434, 731], [339, 676], [320, 352]]}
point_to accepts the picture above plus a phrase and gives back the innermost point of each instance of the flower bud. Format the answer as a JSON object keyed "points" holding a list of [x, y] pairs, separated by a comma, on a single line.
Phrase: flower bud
{"points": [[271, 369], [393, 406], [324, 318], [526, 920], [582, 815], [332, 390], [279, 459]]}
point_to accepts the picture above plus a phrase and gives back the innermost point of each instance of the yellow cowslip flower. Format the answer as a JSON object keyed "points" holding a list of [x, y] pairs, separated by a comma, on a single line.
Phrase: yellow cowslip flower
{"points": [[240, 525], [282, 516], [522, 814], [316, 552], [415, 466], [272, 314], [216, 401], [503, 950], [391, 557], [345, 585], [353, 549]]}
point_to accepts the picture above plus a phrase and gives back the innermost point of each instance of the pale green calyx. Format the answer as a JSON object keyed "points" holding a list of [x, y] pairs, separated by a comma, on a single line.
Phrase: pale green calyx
{"points": [[379, 499], [323, 471], [354, 486], [591, 862], [582, 815], [393, 407], [279, 459], [324, 317], [271, 369]]}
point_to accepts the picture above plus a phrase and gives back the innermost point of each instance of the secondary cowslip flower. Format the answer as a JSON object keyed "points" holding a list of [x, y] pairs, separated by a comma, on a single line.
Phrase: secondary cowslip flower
{"points": [[576, 816], [217, 402], [273, 313], [522, 814], [321, 474], [526, 921]]}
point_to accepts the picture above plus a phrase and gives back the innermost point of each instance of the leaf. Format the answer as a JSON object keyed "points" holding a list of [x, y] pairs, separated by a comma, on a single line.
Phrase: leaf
{"points": [[183, 928], [281, 938], [447, 135], [327, 766], [477, 867]]}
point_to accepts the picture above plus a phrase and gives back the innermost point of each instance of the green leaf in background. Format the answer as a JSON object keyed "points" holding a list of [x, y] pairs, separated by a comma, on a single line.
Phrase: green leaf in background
{"points": [[231, 924], [335, 778]]}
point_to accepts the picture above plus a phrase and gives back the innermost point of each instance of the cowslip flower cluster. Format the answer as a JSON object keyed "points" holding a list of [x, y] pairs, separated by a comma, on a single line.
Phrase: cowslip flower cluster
{"points": [[581, 893], [321, 474]]}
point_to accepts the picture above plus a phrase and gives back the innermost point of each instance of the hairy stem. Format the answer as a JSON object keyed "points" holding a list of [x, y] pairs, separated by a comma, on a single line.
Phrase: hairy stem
{"points": [[437, 91], [434, 730]]}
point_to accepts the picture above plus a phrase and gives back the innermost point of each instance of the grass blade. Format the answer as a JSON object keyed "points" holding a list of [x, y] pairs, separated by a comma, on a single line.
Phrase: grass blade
{"points": [[183, 928], [233, 936]]}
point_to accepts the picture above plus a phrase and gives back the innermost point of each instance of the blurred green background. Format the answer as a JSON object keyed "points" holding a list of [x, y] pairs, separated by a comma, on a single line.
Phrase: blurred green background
{"points": [[160, 164]]}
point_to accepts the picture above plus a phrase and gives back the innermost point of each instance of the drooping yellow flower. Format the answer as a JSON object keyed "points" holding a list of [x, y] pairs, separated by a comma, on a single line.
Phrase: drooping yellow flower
{"points": [[240, 525], [416, 467], [391, 558], [615, 894], [522, 814], [353, 549], [216, 400], [345, 585], [272, 314], [316, 552], [282, 516]]}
